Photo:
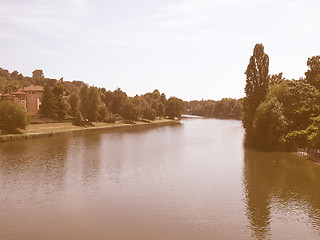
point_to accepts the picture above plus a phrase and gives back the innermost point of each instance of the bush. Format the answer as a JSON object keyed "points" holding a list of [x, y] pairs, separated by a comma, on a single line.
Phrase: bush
{"points": [[12, 117], [129, 112], [110, 119], [149, 113], [269, 125], [102, 113], [78, 120]]}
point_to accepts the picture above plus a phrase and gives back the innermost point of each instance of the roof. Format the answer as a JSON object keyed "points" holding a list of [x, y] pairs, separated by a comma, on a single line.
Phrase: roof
{"points": [[19, 93], [33, 88]]}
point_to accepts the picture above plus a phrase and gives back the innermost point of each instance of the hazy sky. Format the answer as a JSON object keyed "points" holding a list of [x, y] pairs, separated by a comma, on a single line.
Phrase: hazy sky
{"points": [[191, 49]]}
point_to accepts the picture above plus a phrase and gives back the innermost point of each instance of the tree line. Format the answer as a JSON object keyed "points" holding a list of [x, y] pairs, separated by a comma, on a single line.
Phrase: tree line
{"points": [[278, 113], [79, 101], [225, 108]]}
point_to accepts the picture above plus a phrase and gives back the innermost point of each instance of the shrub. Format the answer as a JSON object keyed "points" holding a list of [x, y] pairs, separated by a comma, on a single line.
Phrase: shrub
{"points": [[129, 112], [12, 117], [149, 113], [110, 119], [78, 120]]}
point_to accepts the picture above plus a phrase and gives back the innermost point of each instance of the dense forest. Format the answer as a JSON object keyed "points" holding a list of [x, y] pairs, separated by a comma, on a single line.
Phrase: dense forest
{"points": [[77, 100], [225, 108], [281, 114]]}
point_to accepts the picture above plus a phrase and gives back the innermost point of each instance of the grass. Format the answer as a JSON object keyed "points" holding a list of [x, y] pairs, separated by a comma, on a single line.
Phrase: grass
{"points": [[50, 129]]}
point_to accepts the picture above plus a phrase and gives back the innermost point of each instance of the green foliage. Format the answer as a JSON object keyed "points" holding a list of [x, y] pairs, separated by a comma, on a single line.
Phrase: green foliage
{"points": [[61, 105], [226, 107], [47, 107], [313, 73], [118, 99], [140, 102], [64, 97], [110, 119], [102, 112], [79, 119], [174, 107], [269, 125], [54, 105], [12, 117], [149, 113], [74, 102], [257, 84], [160, 110], [129, 112], [290, 114], [38, 77], [301, 104], [93, 104], [313, 133], [90, 102]]}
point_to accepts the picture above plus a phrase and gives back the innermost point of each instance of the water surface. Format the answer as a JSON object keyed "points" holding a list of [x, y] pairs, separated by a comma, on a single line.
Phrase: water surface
{"points": [[191, 181]]}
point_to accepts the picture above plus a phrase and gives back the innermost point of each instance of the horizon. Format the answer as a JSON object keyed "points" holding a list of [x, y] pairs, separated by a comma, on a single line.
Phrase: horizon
{"points": [[190, 49]]}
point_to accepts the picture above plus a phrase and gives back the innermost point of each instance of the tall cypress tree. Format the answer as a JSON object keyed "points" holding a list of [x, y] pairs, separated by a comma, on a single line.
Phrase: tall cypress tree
{"points": [[257, 84]]}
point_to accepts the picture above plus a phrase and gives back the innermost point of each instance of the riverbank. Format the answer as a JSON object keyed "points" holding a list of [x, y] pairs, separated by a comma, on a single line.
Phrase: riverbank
{"points": [[53, 129], [223, 117], [311, 154]]}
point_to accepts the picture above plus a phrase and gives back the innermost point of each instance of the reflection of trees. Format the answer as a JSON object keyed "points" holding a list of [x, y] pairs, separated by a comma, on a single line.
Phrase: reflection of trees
{"points": [[36, 163], [279, 178]]}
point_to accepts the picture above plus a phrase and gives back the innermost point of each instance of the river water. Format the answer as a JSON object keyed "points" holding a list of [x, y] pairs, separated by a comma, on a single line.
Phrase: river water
{"points": [[189, 181]]}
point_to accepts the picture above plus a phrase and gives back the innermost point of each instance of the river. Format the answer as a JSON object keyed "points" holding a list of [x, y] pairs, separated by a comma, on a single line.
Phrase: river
{"points": [[190, 181]]}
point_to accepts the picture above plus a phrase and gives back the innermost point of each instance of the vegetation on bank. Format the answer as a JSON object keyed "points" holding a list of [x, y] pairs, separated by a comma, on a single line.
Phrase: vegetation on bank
{"points": [[65, 128], [281, 114], [225, 108], [79, 101]]}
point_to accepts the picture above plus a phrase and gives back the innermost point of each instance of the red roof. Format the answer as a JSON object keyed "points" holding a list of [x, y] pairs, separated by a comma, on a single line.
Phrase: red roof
{"points": [[19, 93], [33, 88]]}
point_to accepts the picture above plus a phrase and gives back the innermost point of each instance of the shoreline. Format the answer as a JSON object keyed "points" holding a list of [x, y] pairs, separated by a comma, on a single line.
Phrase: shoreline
{"points": [[55, 129]]}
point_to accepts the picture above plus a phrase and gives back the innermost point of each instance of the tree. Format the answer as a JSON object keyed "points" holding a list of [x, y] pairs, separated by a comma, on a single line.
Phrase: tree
{"points": [[313, 132], [129, 112], [47, 107], [149, 113], [160, 110], [257, 84], [301, 103], [118, 99], [93, 104], [313, 73], [79, 119], [60, 105], [102, 112], [74, 102], [107, 98], [84, 100], [14, 75], [174, 107], [12, 117], [163, 98], [90, 102], [156, 94], [38, 76], [269, 125], [53, 103]]}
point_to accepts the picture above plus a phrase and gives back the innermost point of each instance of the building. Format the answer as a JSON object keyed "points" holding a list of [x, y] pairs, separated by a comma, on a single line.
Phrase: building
{"points": [[33, 98], [28, 97], [20, 97]]}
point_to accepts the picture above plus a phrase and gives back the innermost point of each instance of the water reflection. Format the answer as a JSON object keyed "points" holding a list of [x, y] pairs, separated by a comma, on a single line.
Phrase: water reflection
{"points": [[39, 165], [280, 186]]}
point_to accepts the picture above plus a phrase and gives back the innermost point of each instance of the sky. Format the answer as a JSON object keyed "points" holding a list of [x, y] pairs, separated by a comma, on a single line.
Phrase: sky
{"points": [[191, 49]]}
